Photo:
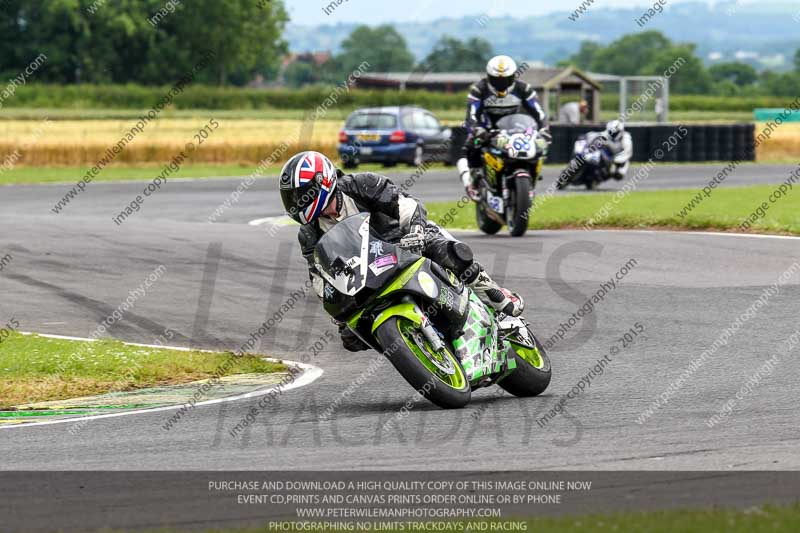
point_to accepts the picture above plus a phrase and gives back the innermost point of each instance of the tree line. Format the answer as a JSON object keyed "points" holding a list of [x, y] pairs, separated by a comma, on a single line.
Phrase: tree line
{"points": [[641, 54], [154, 42], [148, 42], [651, 53], [387, 51]]}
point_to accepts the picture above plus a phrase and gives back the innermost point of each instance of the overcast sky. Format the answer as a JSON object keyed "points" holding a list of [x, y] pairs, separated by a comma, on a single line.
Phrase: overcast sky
{"points": [[310, 12]]}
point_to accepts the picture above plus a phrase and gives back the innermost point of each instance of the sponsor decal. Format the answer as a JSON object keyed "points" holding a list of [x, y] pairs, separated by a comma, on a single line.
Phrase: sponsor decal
{"points": [[376, 248], [427, 284], [329, 290], [383, 263], [496, 204], [446, 298]]}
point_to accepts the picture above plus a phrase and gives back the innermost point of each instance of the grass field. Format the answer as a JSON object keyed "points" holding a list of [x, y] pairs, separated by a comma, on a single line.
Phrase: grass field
{"points": [[82, 137], [84, 142], [724, 210], [449, 116], [79, 137], [34, 369]]}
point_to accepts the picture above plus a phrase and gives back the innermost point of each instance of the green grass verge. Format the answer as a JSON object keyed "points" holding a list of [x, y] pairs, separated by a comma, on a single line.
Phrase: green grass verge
{"points": [[30, 175], [725, 209], [21, 175], [35, 369], [761, 519]]}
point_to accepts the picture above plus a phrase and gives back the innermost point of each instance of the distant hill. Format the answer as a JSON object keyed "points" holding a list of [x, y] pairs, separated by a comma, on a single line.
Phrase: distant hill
{"points": [[764, 34]]}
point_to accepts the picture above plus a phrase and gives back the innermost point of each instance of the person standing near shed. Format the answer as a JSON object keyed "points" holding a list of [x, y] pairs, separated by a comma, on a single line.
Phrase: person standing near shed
{"points": [[573, 112]]}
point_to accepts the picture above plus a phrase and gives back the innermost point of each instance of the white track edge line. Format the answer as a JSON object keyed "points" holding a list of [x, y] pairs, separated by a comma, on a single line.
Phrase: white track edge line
{"points": [[310, 374], [712, 233], [609, 230]]}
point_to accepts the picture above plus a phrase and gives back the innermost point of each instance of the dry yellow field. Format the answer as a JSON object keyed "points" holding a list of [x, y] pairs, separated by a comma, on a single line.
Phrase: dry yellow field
{"points": [[83, 142], [240, 141], [784, 144]]}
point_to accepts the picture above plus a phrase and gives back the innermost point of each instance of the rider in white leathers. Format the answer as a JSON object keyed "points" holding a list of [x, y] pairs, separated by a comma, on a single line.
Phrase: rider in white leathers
{"points": [[619, 143]]}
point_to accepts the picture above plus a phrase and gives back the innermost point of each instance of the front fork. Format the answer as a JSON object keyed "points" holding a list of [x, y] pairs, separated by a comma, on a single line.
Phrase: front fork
{"points": [[409, 309], [428, 330]]}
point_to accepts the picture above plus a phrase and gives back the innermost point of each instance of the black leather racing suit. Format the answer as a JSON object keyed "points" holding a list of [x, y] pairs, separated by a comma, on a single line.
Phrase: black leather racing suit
{"points": [[485, 108], [393, 214]]}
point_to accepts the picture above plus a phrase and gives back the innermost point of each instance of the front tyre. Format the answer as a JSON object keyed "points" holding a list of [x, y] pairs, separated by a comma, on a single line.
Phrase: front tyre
{"points": [[438, 377], [532, 375], [519, 204]]}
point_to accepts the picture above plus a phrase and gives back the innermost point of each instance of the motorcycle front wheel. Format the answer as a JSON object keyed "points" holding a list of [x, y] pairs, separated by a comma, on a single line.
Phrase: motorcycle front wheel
{"points": [[439, 377], [533, 372], [519, 204]]}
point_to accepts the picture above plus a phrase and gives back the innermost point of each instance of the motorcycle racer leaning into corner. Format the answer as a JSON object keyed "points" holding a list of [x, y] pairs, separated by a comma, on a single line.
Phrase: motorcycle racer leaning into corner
{"points": [[619, 144], [318, 195], [490, 99]]}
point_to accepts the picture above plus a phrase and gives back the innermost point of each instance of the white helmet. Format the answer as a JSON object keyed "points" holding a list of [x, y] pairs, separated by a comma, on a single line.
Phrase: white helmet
{"points": [[615, 129], [502, 71]]}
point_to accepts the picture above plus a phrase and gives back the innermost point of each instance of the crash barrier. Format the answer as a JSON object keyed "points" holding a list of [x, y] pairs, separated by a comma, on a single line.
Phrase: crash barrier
{"points": [[692, 142]]}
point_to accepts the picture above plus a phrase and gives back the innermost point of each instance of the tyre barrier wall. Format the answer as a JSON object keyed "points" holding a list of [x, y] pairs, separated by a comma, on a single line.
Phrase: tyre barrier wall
{"points": [[702, 142]]}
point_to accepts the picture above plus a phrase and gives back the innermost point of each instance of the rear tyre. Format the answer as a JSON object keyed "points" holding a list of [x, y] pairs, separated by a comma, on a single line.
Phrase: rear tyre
{"points": [[533, 372], [438, 377], [487, 225], [519, 205]]}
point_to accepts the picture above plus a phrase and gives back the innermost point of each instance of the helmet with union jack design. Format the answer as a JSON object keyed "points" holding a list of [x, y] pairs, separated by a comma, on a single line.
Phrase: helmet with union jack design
{"points": [[307, 185]]}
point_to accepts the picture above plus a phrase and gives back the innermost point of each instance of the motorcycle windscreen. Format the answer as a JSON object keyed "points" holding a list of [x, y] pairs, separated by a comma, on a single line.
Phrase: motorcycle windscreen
{"points": [[341, 255], [517, 122]]}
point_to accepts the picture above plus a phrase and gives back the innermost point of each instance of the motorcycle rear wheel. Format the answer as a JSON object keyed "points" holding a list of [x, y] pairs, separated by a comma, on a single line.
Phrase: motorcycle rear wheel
{"points": [[486, 224], [438, 377]]}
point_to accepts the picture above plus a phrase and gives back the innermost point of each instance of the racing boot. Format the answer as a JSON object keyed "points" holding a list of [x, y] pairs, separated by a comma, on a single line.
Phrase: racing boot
{"points": [[619, 171], [495, 296], [468, 179]]}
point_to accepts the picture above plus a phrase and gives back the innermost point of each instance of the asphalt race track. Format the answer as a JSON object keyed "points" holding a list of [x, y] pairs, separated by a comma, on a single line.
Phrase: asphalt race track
{"points": [[69, 271]]}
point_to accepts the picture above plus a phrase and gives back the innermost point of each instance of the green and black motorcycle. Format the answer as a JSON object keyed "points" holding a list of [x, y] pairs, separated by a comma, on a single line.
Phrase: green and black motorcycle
{"points": [[435, 331]]}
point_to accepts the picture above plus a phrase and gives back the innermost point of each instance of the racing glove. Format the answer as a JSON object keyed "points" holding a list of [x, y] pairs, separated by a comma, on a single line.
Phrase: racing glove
{"points": [[414, 241], [479, 135]]}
